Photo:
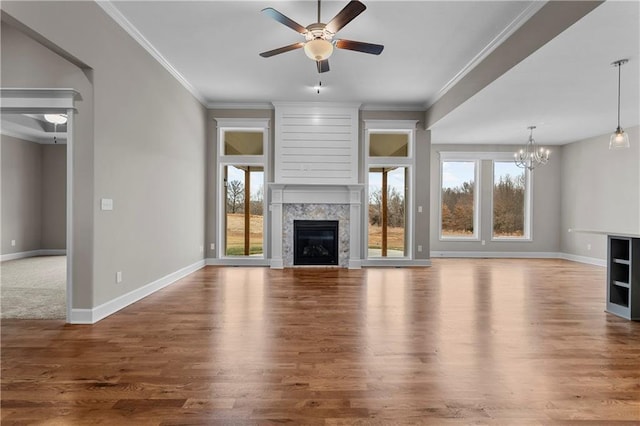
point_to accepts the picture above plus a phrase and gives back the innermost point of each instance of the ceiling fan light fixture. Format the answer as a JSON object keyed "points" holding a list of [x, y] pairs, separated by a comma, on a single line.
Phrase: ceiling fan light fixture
{"points": [[56, 118], [318, 49]]}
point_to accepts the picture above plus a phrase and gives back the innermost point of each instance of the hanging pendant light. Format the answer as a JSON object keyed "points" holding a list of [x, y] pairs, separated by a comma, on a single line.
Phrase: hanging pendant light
{"points": [[530, 156], [56, 119], [619, 139]]}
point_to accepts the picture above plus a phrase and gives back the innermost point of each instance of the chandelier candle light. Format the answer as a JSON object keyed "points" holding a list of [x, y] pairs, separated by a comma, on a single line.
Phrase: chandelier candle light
{"points": [[530, 157], [619, 139]]}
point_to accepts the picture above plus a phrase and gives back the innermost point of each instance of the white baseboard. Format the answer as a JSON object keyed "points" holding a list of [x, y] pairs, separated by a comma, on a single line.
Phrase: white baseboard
{"points": [[91, 316], [583, 259], [241, 261], [520, 255], [277, 263], [391, 262], [355, 263], [497, 254], [33, 253]]}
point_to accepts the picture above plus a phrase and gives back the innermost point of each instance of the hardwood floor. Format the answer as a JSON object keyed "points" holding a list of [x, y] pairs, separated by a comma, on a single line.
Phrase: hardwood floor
{"points": [[487, 341]]}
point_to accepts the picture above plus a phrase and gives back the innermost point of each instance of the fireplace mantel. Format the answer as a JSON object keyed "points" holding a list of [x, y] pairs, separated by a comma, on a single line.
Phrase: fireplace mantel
{"points": [[350, 195]]}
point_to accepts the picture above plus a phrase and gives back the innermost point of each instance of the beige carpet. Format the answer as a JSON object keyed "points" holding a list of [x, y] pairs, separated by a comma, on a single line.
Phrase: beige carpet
{"points": [[34, 287]]}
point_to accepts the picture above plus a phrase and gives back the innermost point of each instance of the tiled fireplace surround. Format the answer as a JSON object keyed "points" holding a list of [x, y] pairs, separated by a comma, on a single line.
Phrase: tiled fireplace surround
{"points": [[291, 202]]}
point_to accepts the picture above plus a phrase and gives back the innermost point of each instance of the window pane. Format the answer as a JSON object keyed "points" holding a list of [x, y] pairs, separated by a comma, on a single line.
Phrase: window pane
{"points": [[458, 203], [388, 145], [509, 184], [243, 143], [244, 217], [387, 230]]}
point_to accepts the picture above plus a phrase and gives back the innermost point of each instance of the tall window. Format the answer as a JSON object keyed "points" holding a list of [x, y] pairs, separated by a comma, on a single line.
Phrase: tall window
{"points": [[510, 201], [244, 224], [459, 213], [389, 157], [387, 211], [242, 162]]}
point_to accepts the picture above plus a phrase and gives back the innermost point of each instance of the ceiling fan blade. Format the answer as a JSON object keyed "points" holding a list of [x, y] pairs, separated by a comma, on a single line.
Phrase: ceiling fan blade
{"points": [[280, 50], [359, 46], [323, 66], [284, 20], [346, 15]]}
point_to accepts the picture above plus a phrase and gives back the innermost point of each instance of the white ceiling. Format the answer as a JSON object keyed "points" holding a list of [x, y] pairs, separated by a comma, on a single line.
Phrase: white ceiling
{"points": [[215, 47], [34, 128], [567, 88]]}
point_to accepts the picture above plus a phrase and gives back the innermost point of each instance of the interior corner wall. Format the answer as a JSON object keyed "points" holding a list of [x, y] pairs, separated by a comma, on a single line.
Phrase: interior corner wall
{"points": [[212, 187], [21, 195], [421, 234], [27, 63], [545, 207], [147, 153], [54, 197], [600, 192]]}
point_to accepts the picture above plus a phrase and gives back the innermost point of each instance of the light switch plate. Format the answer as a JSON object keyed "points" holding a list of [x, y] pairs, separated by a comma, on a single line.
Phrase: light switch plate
{"points": [[106, 204]]}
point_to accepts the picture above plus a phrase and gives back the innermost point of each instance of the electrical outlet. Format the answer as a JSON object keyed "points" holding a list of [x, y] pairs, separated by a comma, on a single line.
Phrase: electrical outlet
{"points": [[588, 246], [213, 246], [118, 277], [419, 209], [484, 242], [419, 248], [13, 243], [201, 249]]}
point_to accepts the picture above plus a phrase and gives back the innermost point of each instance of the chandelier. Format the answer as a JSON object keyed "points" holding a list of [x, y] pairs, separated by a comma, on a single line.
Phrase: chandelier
{"points": [[530, 157]]}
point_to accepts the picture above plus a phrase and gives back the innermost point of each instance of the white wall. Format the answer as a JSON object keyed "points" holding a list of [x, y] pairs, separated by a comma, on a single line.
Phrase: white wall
{"points": [[600, 192]]}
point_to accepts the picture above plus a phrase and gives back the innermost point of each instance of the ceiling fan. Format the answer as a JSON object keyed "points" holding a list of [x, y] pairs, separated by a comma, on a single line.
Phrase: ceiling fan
{"points": [[319, 42]]}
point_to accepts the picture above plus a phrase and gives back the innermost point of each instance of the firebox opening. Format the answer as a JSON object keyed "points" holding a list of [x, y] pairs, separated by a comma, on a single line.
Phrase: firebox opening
{"points": [[315, 242]]}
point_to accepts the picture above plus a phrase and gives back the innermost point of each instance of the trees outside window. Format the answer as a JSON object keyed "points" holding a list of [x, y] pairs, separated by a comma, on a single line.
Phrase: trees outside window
{"points": [[509, 200], [387, 211], [458, 202]]}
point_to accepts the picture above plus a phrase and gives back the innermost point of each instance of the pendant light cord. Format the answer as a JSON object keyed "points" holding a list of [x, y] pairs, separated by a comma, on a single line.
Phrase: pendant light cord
{"points": [[318, 10], [619, 73]]}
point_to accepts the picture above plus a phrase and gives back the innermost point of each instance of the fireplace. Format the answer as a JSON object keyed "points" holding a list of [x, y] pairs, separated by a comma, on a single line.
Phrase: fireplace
{"points": [[315, 242]]}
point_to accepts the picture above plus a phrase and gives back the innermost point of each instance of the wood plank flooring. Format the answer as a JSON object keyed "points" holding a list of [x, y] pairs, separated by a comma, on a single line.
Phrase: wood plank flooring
{"points": [[487, 341]]}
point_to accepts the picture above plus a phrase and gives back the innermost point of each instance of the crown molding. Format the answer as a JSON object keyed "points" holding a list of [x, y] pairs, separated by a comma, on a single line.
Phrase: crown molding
{"points": [[393, 107], [239, 105], [513, 26], [126, 25]]}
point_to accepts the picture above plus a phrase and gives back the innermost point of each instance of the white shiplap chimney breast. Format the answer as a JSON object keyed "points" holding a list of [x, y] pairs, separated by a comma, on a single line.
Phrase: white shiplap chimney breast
{"points": [[316, 143]]}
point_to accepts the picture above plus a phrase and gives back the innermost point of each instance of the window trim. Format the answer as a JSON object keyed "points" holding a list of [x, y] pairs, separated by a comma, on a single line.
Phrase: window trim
{"points": [[390, 126], [240, 124], [528, 201], [460, 157]]}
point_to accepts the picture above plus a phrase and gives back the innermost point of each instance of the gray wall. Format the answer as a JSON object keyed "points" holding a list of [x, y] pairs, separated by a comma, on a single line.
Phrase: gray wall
{"points": [[27, 63], [545, 204], [54, 196], [600, 192], [21, 195], [144, 144], [33, 195], [422, 170]]}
